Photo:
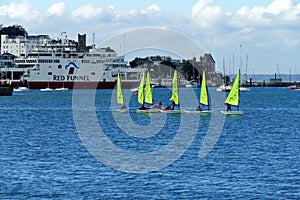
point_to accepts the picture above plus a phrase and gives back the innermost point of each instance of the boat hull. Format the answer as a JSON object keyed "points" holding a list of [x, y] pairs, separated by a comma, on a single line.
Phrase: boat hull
{"points": [[21, 89], [171, 111], [75, 85], [203, 112], [150, 110], [236, 112]]}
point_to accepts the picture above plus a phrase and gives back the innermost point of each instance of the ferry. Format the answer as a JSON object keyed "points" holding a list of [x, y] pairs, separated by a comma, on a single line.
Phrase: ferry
{"points": [[62, 66]]}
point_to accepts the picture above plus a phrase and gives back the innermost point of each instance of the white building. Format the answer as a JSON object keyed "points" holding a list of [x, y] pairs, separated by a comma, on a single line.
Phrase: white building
{"points": [[22, 46]]}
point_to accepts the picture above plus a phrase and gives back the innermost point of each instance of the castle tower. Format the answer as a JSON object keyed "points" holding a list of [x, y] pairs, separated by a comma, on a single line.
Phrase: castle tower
{"points": [[81, 42]]}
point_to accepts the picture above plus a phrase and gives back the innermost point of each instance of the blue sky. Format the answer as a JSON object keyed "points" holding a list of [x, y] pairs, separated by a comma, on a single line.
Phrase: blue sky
{"points": [[268, 30]]}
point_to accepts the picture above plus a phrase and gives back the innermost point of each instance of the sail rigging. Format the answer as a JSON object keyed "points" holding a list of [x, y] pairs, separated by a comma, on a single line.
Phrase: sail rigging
{"points": [[233, 96], [141, 90], [120, 98], [204, 93], [148, 93], [175, 89]]}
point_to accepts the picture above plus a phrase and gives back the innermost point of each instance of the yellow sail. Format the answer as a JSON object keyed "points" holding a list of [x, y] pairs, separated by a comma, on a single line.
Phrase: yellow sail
{"points": [[120, 99], [233, 96], [148, 95], [175, 89], [204, 94], [141, 90]]}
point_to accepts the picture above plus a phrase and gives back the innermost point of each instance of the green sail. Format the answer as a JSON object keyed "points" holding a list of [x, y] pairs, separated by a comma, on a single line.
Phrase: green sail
{"points": [[175, 89], [148, 95], [141, 91], [120, 99], [204, 94], [233, 96]]}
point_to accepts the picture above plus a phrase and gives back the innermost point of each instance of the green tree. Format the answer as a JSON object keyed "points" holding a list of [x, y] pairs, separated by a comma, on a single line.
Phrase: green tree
{"points": [[14, 30]]}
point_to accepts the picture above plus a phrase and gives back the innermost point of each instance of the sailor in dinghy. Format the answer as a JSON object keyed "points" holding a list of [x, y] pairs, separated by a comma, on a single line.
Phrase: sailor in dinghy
{"points": [[204, 99], [233, 98], [174, 98], [145, 95], [120, 98]]}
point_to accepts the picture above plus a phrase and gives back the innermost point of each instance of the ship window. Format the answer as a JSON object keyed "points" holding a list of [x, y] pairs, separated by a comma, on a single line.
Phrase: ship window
{"points": [[93, 73], [49, 73], [59, 66], [49, 66]]}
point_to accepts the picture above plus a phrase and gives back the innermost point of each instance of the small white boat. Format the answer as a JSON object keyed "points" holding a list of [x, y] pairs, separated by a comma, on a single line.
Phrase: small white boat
{"points": [[294, 87], [244, 89], [46, 90], [224, 88], [227, 88], [136, 89], [21, 89], [61, 89]]}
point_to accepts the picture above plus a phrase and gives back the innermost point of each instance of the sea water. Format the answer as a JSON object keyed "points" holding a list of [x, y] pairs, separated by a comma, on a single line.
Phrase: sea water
{"points": [[45, 154]]}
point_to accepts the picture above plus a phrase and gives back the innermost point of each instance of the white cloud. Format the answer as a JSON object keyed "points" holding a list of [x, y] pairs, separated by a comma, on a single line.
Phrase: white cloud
{"points": [[154, 8], [277, 13], [255, 16], [56, 9], [87, 11], [18, 11], [279, 6], [205, 15], [280, 13]]}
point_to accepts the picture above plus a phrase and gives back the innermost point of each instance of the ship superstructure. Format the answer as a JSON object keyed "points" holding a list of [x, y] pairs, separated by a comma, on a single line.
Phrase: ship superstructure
{"points": [[59, 64]]}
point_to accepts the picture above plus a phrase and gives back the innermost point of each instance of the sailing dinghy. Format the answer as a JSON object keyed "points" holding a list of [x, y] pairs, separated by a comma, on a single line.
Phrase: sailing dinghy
{"points": [[204, 99], [174, 98], [120, 99], [233, 98], [145, 95]]}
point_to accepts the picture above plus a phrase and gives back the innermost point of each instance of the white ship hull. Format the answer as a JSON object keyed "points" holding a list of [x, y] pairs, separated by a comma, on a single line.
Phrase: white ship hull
{"points": [[96, 69]]}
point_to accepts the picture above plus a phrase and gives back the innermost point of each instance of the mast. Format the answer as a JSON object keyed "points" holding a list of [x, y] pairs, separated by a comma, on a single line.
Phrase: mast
{"points": [[239, 82], [233, 96], [246, 68], [120, 98], [233, 64], [141, 90], [148, 95], [204, 99], [25, 40], [224, 72], [241, 59], [229, 68], [93, 41], [193, 68], [175, 89]]}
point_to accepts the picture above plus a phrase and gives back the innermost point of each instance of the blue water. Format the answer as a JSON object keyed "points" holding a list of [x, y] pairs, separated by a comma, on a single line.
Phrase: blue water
{"points": [[256, 156]]}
